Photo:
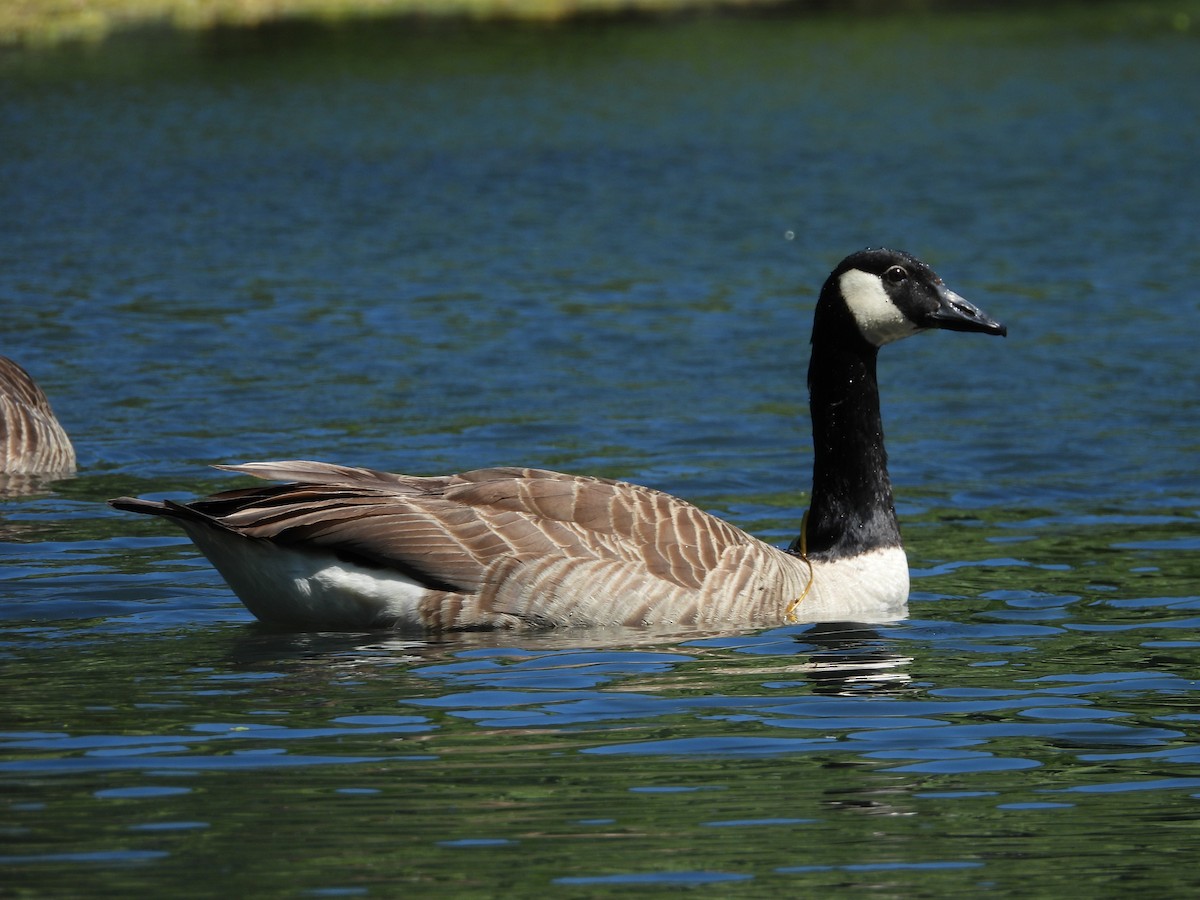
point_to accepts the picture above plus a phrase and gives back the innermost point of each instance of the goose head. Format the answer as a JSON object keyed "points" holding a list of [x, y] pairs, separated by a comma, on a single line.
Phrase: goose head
{"points": [[885, 295]]}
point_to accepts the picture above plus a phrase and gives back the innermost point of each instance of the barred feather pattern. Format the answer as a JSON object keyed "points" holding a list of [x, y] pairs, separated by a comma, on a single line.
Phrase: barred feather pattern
{"points": [[31, 439], [504, 548]]}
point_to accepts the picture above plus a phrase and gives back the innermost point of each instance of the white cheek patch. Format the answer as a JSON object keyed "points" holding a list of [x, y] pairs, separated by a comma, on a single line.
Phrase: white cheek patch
{"points": [[877, 317]]}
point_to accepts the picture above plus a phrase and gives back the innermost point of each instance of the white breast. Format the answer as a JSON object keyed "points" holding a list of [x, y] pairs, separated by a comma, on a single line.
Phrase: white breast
{"points": [[870, 588]]}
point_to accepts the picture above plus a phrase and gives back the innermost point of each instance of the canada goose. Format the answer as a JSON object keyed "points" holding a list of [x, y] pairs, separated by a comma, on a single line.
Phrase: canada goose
{"points": [[32, 442], [352, 548]]}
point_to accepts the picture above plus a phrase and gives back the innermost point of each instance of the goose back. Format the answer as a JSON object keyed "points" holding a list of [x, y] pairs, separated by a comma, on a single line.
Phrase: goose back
{"points": [[31, 439]]}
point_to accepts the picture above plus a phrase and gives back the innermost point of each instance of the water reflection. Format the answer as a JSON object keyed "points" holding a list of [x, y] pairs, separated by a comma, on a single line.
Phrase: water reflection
{"points": [[12, 485], [851, 658], [829, 657]]}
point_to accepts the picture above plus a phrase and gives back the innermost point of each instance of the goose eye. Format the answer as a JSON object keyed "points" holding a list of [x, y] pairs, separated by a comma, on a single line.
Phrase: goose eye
{"points": [[895, 275]]}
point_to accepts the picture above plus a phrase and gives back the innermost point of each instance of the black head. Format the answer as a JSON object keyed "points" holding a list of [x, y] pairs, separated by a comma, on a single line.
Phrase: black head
{"points": [[890, 294]]}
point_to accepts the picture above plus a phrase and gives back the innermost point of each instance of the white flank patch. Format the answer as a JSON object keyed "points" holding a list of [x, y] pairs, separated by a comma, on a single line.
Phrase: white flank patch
{"points": [[878, 318], [282, 585]]}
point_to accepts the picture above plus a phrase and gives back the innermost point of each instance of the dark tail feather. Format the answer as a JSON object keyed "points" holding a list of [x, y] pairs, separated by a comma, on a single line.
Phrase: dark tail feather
{"points": [[164, 508]]}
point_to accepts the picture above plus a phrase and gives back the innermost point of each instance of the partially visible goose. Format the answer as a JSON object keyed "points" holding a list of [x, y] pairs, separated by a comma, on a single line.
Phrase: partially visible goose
{"points": [[32, 442], [351, 548]]}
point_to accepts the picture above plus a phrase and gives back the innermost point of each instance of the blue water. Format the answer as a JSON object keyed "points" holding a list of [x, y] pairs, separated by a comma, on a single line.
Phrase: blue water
{"points": [[597, 249]]}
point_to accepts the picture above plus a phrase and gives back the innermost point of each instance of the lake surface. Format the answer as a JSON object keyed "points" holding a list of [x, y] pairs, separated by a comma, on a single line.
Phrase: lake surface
{"points": [[597, 249]]}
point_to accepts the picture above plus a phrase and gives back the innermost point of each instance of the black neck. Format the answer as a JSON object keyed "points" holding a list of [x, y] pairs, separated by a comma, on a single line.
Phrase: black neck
{"points": [[851, 511]]}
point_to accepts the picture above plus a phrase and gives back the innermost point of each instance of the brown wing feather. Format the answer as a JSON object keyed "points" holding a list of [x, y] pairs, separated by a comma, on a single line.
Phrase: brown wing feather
{"points": [[31, 438], [457, 529], [15, 382]]}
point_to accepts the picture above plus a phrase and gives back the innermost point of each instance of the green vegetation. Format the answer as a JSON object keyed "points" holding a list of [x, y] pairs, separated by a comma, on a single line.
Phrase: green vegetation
{"points": [[50, 22], [40, 22]]}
